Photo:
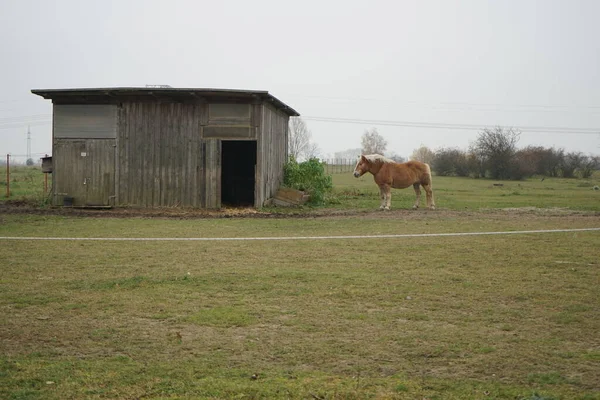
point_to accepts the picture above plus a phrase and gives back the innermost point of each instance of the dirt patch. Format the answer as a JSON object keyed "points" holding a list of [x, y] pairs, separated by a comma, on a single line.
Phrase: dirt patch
{"points": [[177, 213], [25, 208], [17, 203]]}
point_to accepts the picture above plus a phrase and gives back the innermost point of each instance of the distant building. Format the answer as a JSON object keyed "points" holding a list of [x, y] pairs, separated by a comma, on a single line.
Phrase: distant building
{"points": [[165, 147]]}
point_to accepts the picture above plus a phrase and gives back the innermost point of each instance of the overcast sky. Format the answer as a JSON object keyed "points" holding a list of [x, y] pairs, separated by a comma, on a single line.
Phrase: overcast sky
{"points": [[515, 63]]}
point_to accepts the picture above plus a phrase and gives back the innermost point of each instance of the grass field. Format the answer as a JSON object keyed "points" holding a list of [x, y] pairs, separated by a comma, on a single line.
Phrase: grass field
{"points": [[453, 193], [473, 194], [437, 318], [26, 183], [473, 317]]}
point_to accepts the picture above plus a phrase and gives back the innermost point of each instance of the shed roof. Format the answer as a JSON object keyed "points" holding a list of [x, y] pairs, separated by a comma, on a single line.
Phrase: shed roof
{"points": [[84, 95]]}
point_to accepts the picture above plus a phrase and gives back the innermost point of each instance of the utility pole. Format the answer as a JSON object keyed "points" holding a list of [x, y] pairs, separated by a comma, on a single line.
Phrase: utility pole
{"points": [[28, 145]]}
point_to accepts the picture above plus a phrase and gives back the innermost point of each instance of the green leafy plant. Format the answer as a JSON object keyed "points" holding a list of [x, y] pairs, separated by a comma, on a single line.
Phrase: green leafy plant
{"points": [[308, 176]]}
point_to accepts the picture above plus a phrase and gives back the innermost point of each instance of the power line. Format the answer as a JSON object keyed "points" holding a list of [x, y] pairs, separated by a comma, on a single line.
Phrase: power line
{"points": [[435, 125], [25, 118], [20, 121], [21, 124], [425, 105]]}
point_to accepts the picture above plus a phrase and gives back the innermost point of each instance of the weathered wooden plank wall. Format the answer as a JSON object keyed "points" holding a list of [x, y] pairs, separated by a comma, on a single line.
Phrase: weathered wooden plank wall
{"points": [[272, 152], [68, 171], [84, 170], [100, 172], [212, 172], [161, 157]]}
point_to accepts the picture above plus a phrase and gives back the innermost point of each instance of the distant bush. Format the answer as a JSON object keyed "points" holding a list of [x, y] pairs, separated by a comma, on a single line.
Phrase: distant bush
{"points": [[308, 176], [495, 155], [451, 162], [538, 160]]}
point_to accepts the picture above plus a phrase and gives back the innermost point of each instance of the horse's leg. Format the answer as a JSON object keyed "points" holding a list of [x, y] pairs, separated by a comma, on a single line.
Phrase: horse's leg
{"points": [[382, 197], [417, 187], [388, 197], [429, 195]]}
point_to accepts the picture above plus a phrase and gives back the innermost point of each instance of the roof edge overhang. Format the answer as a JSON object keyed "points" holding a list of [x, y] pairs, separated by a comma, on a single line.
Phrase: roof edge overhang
{"points": [[104, 94]]}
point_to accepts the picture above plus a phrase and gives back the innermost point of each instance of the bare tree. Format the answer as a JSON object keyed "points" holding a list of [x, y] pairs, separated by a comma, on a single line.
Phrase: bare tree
{"points": [[298, 138], [372, 142], [497, 148], [552, 160], [570, 162], [312, 151], [423, 154], [395, 156], [589, 164]]}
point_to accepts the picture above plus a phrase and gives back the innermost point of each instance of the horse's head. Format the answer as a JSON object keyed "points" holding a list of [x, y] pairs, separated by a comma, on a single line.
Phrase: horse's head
{"points": [[362, 167]]}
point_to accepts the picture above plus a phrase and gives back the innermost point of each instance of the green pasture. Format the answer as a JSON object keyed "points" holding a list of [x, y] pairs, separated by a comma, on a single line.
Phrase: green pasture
{"points": [[477, 317], [456, 193], [451, 193], [26, 184], [472, 317]]}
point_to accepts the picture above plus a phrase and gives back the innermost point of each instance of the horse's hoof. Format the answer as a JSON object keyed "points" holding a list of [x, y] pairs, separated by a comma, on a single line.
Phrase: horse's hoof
{"points": [[386, 209], [432, 208], [415, 207]]}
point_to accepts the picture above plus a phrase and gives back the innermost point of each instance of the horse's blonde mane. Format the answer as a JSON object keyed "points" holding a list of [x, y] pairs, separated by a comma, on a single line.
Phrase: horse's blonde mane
{"points": [[378, 157]]}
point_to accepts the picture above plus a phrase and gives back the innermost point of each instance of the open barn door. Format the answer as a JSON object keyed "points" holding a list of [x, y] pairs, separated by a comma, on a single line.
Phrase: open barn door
{"points": [[238, 165]]}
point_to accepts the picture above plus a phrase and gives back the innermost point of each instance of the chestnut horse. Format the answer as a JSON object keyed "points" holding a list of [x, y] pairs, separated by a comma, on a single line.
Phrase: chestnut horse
{"points": [[390, 174]]}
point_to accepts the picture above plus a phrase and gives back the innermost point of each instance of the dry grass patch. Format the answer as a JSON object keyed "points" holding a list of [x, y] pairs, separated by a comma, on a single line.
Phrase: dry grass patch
{"points": [[460, 317]]}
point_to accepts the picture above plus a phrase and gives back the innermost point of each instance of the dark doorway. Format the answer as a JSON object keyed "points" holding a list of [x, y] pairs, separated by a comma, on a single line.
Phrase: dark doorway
{"points": [[238, 163]]}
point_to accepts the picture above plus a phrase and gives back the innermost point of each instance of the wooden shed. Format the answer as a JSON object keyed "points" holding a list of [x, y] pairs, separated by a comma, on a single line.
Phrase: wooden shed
{"points": [[165, 147]]}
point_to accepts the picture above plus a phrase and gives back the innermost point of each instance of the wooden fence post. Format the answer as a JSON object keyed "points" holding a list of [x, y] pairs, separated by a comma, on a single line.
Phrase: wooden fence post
{"points": [[8, 175]]}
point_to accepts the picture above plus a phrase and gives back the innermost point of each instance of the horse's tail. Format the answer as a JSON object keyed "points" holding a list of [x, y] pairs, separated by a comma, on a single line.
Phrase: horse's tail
{"points": [[429, 172]]}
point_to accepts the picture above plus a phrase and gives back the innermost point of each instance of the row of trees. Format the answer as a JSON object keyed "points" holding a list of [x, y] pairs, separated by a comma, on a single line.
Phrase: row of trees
{"points": [[495, 155]]}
